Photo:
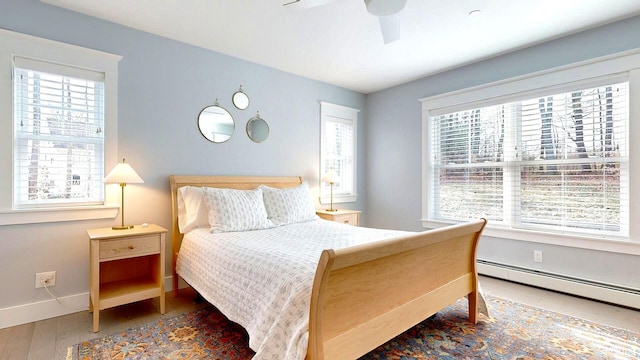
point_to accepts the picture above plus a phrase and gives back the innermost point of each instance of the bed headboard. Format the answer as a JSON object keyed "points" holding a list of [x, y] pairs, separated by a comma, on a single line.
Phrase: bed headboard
{"points": [[231, 182]]}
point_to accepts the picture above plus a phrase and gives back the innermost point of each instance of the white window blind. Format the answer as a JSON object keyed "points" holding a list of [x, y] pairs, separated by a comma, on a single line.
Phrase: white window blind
{"points": [[339, 155], [556, 162], [338, 150], [58, 135]]}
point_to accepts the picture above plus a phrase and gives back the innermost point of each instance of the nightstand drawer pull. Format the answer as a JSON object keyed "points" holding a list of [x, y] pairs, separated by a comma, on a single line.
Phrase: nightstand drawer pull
{"points": [[130, 247]]}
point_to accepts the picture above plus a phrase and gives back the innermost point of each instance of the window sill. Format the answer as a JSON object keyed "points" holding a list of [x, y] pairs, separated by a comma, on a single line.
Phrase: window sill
{"points": [[35, 216], [339, 199], [621, 245]]}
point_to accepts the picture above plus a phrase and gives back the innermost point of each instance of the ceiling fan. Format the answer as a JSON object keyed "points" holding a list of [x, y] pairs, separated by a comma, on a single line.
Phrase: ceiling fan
{"points": [[387, 11]]}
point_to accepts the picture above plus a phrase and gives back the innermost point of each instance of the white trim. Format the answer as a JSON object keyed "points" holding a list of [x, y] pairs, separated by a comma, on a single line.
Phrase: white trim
{"points": [[26, 313], [339, 199], [57, 52], [621, 246], [31, 47], [588, 70], [586, 290], [339, 111], [33, 216]]}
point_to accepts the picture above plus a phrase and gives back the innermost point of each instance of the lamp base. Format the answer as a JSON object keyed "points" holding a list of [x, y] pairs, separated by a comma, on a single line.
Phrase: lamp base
{"points": [[330, 209], [123, 227]]}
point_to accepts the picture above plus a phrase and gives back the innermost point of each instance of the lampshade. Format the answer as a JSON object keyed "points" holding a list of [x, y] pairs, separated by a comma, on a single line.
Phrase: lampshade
{"points": [[123, 173], [330, 177]]}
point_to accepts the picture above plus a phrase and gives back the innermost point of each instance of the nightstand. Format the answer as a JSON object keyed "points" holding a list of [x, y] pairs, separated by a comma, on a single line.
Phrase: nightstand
{"points": [[125, 266], [351, 217]]}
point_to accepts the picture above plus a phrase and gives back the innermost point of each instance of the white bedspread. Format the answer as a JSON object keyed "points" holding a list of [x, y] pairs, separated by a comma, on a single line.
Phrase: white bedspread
{"points": [[262, 279]]}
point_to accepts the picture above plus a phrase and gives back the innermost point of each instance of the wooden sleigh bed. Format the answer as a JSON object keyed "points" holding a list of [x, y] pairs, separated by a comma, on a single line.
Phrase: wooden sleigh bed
{"points": [[365, 295]]}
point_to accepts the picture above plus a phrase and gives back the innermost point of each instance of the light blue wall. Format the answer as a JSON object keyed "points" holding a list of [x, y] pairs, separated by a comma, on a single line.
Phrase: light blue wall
{"points": [[394, 150], [163, 85]]}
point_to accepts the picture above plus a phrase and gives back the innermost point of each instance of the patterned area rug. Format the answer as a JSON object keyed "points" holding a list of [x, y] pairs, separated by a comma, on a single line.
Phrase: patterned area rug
{"points": [[514, 331]]}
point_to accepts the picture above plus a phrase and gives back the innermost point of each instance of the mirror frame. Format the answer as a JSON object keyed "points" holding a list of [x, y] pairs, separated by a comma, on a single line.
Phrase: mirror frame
{"points": [[201, 118], [255, 119], [239, 98]]}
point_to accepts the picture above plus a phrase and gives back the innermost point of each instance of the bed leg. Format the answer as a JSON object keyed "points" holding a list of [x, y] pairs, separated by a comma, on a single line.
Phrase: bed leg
{"points": [[175, 284], [473, 306]]}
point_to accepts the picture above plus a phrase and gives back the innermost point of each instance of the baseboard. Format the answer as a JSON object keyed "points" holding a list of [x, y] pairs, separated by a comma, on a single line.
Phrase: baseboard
{"points": [[588, 289], [50, 308], [26, 313]]}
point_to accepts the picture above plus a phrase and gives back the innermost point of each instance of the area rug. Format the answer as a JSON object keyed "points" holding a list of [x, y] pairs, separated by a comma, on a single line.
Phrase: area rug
{"points": [[514, 331]]}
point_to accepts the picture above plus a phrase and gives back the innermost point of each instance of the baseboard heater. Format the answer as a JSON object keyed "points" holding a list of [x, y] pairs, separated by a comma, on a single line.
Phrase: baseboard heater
{"points": [[610, 293]]}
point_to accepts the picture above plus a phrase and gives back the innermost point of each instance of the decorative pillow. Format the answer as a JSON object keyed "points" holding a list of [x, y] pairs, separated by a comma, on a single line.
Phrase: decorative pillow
{"points": [[290, 205], [192, 209], [236, 210]]}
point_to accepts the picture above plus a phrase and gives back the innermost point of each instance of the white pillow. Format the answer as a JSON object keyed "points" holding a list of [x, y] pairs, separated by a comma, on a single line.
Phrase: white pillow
{"points": [[192, 209], [290, 205], [236, 210]]}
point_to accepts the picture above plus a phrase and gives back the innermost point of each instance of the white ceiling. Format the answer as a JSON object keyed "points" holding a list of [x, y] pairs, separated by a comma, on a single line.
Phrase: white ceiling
{"points": [[340, 43]]}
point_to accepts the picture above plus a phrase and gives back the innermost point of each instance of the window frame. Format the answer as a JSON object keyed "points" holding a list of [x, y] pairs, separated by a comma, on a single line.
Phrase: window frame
{"points": [[31, 47], [349, 116], [582, 74]]}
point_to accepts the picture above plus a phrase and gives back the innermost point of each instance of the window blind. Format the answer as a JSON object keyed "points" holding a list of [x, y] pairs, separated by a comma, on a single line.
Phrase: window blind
{"points": [[574, 155], [555, 161], [338, 154], [58, 134]]}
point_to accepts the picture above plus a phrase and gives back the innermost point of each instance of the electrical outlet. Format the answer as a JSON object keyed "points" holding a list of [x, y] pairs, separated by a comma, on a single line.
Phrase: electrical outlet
{"points": [[48, 278], [537, 256]]}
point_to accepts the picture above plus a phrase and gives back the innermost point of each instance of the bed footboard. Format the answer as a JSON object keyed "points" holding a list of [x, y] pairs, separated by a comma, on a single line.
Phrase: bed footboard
{"points": [[364, 296]]}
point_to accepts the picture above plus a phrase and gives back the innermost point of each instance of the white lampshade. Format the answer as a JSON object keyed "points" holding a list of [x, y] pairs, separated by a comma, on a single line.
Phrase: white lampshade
{"points": [[330, 177], [123, 173]]}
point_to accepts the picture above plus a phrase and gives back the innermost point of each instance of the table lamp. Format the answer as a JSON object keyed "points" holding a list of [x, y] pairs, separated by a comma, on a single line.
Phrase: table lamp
{"points": [[122, 174], [330, 177]]}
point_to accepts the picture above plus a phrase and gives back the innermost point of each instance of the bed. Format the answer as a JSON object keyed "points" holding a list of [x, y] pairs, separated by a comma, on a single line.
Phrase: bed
{"points": [[358, 297]]}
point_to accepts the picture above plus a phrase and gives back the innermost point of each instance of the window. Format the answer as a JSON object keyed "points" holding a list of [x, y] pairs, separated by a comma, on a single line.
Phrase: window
{"points": [[62, 102], [338, 129], [551, 162], [58, 135], [538, 154]]}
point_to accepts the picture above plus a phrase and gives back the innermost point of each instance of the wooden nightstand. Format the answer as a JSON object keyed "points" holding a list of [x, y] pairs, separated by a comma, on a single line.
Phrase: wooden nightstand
{"points": [[351, 217], [125, 266]]}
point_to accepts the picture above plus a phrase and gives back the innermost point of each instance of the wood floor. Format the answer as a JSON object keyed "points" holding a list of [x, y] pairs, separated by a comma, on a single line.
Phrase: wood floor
{"points": [[49, 339]]}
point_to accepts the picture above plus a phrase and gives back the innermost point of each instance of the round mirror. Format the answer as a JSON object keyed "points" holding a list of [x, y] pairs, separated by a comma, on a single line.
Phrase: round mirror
{"points": [[240, 99], [216, 123], [257, 129]]}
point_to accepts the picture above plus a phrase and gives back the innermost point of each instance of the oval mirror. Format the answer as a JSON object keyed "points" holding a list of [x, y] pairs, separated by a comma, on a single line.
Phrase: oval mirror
{"points": [[216, 123], [240, 99], [257, 129]]}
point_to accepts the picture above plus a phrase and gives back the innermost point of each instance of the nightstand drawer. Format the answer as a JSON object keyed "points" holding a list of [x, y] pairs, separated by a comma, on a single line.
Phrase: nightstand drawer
{"points": [[351, 219], [129, 247]]}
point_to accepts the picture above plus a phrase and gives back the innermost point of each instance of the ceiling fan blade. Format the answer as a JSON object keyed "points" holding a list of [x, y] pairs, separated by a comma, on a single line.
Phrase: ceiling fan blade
{"points": [[384, 7], [305, 4], [390, 27]]}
